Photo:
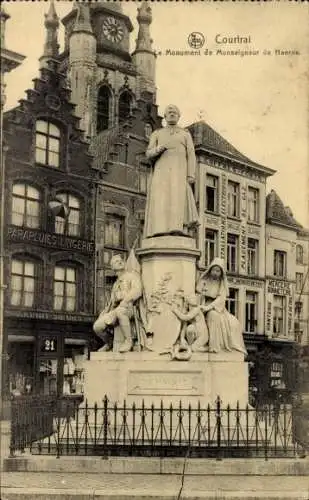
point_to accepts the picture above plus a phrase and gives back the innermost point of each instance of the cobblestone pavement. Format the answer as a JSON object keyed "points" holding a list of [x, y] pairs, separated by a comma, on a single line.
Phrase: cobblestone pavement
{"points": [[154, 483]]}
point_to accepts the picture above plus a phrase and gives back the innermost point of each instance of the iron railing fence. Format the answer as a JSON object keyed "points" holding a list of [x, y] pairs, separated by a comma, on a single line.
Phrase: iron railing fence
{"points": [[35, 417], [48, 428]]}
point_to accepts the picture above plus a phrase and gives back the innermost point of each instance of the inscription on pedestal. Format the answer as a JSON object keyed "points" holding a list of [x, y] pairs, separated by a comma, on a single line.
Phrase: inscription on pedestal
{"points": [[174, 383]]}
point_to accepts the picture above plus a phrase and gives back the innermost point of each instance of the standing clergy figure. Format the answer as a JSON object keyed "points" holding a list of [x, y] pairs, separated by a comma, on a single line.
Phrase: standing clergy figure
{"points": [[170, 207]]}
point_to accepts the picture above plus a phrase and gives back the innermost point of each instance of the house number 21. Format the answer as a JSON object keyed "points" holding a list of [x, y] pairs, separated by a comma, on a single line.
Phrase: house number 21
{"points": [[50, 345]]}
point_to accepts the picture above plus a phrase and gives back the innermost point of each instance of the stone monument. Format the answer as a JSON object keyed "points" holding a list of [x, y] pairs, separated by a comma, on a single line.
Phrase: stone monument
{"points": [[172, 337]]}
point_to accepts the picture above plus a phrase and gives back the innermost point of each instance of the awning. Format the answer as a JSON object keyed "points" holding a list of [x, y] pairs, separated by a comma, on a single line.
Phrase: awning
{"points": [[75, 341], [21, 338]]}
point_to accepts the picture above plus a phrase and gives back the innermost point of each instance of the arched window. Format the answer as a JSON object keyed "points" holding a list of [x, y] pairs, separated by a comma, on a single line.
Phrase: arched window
{"points": [[103, 108], [65, 287], [124, 109], [24, 273], [47, 143], [26, 202], [69, 225], [299, 254]]}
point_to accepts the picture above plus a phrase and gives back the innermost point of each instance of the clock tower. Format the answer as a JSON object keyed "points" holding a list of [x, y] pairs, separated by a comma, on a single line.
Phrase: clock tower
{"points": [[106, 80]]}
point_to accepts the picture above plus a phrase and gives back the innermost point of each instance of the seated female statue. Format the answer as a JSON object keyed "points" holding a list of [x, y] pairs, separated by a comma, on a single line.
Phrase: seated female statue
{"points": [[225, 332]]}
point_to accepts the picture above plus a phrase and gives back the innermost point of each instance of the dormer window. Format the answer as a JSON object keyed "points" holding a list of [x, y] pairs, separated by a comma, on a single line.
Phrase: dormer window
{"points": [[47, 144]]}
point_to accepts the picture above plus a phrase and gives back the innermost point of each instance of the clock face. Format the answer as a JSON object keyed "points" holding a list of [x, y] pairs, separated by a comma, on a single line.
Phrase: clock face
{"points": [[112, 30]]}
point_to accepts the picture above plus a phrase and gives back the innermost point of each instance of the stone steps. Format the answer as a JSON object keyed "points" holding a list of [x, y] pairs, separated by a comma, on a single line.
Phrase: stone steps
{"points": [[52, 494], [157, 466], [81, 486], [85, 478]]}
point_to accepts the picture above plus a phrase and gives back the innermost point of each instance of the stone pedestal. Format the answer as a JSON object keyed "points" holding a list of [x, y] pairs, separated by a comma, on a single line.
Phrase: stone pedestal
{"points": [[147, 376], [168, 268]]}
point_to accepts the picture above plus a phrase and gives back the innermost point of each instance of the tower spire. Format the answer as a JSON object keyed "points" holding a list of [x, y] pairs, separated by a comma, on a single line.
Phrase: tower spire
{"points": [[82, 66], [144, 57], [51, 46]]}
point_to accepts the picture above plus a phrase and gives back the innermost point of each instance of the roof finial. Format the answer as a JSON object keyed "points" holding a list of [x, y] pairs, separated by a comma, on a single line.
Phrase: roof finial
{"points": [[51, 46], [4, 16], [82, 22], [51, 18], [144, 19], [201, 115]]}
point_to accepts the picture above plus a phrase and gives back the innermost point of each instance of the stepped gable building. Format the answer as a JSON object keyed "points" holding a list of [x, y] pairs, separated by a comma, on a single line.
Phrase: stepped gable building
{"points": [[49, 234], [115, 97]]}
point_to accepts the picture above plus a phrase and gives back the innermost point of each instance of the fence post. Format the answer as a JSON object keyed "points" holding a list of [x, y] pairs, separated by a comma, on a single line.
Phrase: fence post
{"points": [[13, 430], [95, 408], [133, 424], [58, 420], [189, 426], [266, 434], [161, 424], [105, 423], [171, 410], [247, 430], [152, 426], [218, 419], [180, 423]]}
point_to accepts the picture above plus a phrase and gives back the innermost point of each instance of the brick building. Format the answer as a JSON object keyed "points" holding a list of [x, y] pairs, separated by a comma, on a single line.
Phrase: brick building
{"points": [[49, 235]]}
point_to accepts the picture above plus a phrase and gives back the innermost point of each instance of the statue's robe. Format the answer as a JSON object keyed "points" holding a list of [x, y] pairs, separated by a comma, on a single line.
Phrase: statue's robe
{"points": [[170, 203]]}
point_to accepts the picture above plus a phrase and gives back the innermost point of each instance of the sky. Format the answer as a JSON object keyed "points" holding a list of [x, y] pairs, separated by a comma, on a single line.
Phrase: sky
{"points": [[260, 104]]}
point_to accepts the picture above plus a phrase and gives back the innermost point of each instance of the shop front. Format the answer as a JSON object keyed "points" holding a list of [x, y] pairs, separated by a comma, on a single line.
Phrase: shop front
{"points": [[46, 357]]}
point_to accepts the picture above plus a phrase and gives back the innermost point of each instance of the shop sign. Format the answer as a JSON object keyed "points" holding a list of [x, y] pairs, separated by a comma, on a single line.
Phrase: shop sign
{"points": [[290, 314], [51, 316], [269, 316], [279, 287], [243, 247], [243, 229], [245, 281], [50, 240], [223, 220]]}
